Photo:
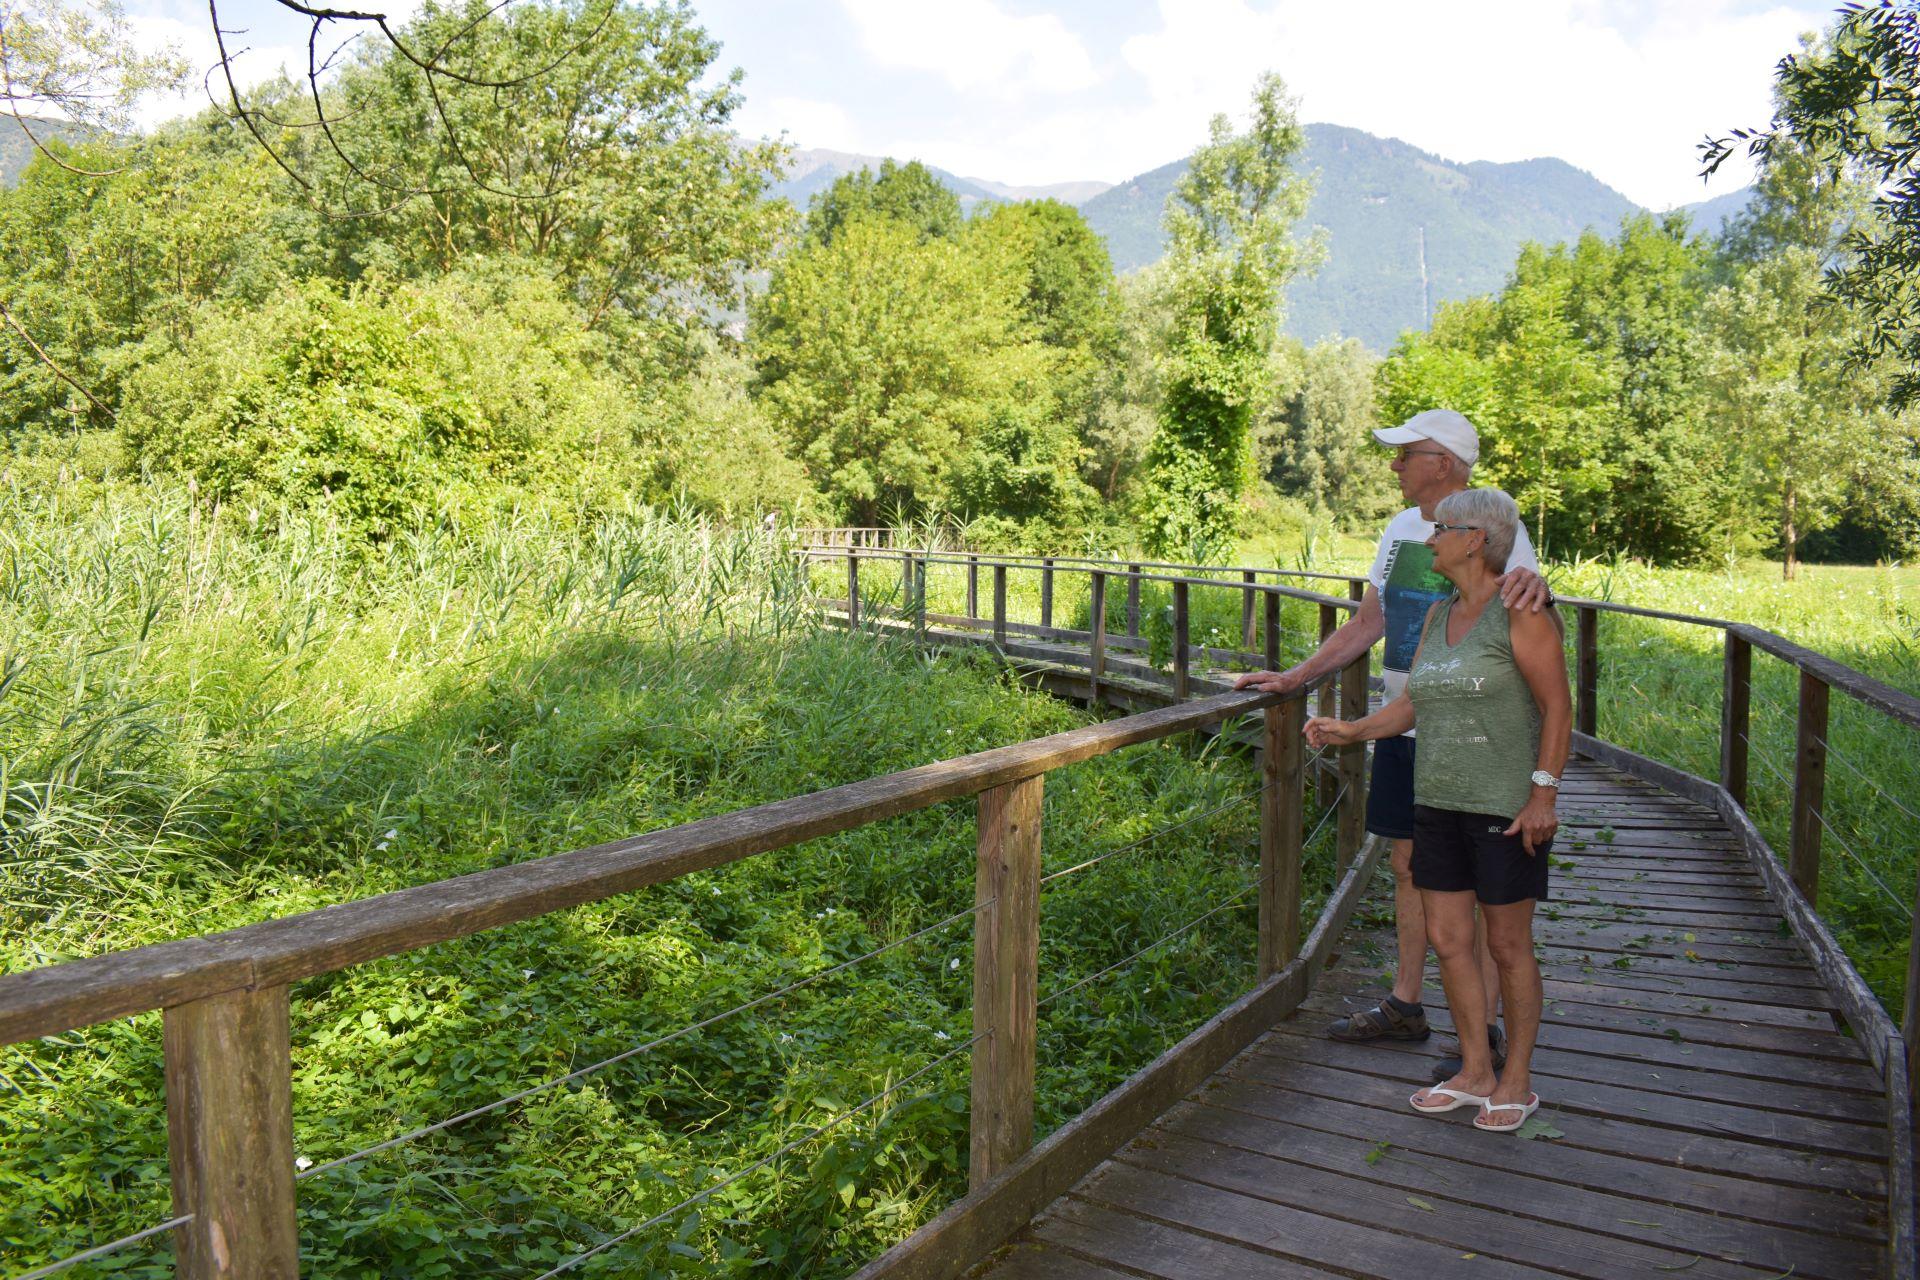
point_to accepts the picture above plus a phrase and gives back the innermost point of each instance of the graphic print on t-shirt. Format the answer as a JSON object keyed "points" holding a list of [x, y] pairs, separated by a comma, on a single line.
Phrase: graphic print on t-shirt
{"points": [[1412, 588]]}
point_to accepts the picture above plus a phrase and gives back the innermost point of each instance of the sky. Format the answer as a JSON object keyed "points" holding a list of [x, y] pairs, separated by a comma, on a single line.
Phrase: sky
{"points": [[1030, 92]]}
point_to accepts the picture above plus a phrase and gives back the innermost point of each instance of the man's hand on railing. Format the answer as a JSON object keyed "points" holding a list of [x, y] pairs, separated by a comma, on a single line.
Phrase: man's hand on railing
{"points": [[1289, 681]]}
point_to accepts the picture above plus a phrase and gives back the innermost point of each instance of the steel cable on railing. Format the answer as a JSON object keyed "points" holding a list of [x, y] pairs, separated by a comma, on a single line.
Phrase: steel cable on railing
{"points": [[102, 1250], [762, 1163], [1877, 789], [640, 1049], [1838, 838], [1197, 921]]}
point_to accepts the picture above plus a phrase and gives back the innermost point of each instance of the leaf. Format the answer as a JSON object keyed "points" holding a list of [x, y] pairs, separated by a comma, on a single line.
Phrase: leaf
{"points": [[1635, 1222], [1537, 1127], [1418, 1203], [1680, 1266], [1379, 1150]]}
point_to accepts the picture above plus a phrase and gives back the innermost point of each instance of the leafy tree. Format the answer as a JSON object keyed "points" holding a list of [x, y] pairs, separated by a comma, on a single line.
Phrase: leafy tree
{"points": [[76, 62], [908, 193], [614, 167], [1230, 253], [884, 357], [1856, 96], [386, 408], [1795, 414], [1316, 441], [1130, 387]]}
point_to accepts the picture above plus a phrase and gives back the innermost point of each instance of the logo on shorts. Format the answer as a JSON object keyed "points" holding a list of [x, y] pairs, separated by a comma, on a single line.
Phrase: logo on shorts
{"points": [[1495, 830]]}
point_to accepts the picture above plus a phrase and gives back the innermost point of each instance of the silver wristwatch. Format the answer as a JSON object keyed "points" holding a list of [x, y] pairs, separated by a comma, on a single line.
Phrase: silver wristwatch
{"points": [[1541, 778]]}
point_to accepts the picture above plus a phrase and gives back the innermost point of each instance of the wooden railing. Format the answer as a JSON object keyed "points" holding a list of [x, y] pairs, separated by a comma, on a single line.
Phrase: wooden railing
{"points": [[227, 997], [1893, 1050]]}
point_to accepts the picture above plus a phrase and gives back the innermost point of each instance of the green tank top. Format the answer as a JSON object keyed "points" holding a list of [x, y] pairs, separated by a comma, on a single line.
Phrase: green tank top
{"points": [[1479, 726]]}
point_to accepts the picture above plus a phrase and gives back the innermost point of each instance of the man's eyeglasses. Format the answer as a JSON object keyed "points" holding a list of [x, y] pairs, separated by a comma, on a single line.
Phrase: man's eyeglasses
{"points": [[1403, 453], [1453, 528]]}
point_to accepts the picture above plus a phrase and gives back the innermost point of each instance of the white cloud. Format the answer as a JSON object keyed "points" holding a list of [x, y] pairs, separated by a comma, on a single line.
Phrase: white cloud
{"points": [[1623, 94], [808, 122], [974, 45]]}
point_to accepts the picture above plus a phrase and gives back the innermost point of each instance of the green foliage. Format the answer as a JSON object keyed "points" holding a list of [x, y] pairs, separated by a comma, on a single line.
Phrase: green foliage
{"points": [[213, 728], [79, 62], [907, 193], [1229, 226], [388, 409], [1855, 97], [1316, 442]]}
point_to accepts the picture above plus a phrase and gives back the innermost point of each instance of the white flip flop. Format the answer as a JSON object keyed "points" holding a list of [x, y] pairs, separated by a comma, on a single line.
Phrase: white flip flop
{"points": [[1526, 1109], [1456, 1098]]}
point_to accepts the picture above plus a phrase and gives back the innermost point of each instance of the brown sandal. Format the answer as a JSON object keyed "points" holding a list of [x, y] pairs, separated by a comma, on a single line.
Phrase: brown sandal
{"points": [[1382, 1022]]}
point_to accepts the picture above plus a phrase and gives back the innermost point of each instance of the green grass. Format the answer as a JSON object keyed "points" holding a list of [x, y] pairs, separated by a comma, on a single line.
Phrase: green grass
{"points": [[201, 727]]}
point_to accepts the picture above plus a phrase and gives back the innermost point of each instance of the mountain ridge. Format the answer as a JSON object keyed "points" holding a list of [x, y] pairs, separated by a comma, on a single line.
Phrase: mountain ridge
{"points": [[1375, 199]]}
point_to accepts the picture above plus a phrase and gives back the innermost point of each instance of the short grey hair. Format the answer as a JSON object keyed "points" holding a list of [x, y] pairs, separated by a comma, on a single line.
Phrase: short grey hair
{"points": [[1489, 510]]}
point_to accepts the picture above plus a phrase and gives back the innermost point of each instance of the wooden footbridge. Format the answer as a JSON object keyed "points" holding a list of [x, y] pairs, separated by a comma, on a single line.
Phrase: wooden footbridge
{"points": [[1725, 1096]]}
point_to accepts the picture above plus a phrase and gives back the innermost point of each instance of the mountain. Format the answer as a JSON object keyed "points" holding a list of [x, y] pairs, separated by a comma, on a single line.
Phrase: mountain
{"points": [[16, 151], [1374, 199]]}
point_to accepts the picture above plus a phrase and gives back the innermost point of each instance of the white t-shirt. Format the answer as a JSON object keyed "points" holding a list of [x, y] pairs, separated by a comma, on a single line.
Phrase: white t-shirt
{"points": [[1403, 575]]}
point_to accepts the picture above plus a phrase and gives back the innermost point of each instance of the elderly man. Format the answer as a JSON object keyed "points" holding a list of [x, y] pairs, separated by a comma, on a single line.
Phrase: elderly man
{"points": [[1434, 453]]}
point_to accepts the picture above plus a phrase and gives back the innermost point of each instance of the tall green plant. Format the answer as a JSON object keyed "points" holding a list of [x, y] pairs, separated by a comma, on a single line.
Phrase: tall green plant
{"points": [[1230, 252]]}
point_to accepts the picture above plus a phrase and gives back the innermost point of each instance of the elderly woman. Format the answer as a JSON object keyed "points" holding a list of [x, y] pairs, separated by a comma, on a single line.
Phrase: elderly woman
{"points": [[1488, 689]]}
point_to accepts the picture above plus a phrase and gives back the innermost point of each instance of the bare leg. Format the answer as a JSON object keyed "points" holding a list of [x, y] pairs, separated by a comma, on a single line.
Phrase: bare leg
{"points": [[1510, 935], [1450, 928], [1409, 926], [1489, 972]]}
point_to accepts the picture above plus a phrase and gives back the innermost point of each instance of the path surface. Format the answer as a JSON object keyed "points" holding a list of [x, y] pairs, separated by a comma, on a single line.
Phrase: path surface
{"points": [[1715, 1123]]}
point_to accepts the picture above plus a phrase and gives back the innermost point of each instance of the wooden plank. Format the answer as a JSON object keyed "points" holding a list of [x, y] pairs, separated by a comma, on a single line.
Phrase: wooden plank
{"points": [[1156, 1249], [971, 1228], [1631, 1132], [1181, 657], [1540, 1223], [1028, 1261], [1262, 1115], [1247, 635], [1567, 1085], [1046, 593], [1303, 1236], [230, 1136], [1006, 958], [1097, 619], [1883, 698], [277, 952], [853, 592], [1133, 600]]}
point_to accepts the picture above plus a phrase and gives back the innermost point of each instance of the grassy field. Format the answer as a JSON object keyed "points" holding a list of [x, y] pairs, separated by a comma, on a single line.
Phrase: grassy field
{"points": [[203, 726]]}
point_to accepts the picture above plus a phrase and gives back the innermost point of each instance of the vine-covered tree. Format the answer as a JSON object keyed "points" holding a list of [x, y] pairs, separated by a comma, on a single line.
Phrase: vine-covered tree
{"points": [[1230, 252]]}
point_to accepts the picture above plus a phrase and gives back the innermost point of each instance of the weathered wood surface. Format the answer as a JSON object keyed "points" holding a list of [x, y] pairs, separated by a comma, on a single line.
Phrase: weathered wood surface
{"points": [[1717, 1116]]}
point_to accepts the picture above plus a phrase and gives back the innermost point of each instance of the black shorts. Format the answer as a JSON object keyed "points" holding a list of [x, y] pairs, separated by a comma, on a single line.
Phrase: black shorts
{"points": [[1455, 851], [1390, 789]]}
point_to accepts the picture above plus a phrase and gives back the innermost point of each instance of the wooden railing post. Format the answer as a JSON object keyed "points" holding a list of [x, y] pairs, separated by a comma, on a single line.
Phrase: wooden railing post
{"points": [[973, 585], [1246, 610], [1271, 648], [906, 584], [1281, 777], [1097, 625], [1587, 662], [1352, 822], [1180, 627], [1006, 959], [1133, 601], [1736, 692], [1325, 779], [1809, 785], [853, 590], [1910, 1012], [230, 1136], [920, 596], [1000, 605], [1046, 592]]}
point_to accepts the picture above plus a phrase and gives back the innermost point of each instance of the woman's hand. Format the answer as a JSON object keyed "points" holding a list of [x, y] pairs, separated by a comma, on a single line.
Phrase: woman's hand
{"points": [[1327, 731], [1537, 821]]}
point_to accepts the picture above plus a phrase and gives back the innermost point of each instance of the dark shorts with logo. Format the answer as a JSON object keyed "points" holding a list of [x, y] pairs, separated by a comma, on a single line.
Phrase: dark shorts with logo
{"points": [[1390, 789], [1454, 852]]}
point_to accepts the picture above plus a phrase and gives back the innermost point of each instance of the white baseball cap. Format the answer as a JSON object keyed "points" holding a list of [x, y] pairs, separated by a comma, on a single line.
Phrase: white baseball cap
{"points": [[1446, 428]]}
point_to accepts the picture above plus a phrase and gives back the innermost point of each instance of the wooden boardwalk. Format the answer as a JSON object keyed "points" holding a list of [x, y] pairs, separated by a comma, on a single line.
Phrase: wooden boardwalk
{"points": [[1714, 1120]]}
